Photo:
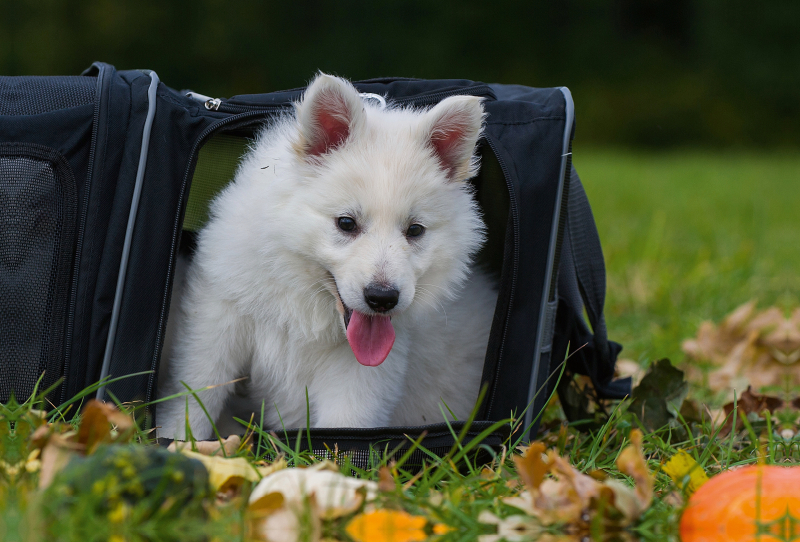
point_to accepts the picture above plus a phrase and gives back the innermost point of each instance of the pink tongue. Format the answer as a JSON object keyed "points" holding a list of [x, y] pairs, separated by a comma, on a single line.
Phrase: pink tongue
{"points": [[370, 337]]}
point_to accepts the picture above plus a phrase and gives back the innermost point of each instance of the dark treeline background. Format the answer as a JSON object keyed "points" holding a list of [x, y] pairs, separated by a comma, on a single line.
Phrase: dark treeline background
{"points": [[644, 73]]}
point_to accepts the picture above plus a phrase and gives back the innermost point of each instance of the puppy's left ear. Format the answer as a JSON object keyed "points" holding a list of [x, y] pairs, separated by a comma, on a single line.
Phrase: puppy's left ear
{"points": [[329, 112], [453, 128]]}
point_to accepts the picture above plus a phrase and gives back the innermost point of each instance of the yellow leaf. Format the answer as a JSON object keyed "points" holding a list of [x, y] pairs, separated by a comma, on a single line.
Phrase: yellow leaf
{"points": [[225, 472], [685, 472], [441, 528], [387, 526]]}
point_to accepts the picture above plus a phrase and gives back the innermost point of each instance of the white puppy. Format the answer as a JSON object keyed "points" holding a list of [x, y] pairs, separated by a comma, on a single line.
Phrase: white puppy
{"points": [[337, 265]]}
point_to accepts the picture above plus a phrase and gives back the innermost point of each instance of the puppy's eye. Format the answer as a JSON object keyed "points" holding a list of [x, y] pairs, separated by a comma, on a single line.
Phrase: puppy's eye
{"points": [[415, 230], [347, 224]]}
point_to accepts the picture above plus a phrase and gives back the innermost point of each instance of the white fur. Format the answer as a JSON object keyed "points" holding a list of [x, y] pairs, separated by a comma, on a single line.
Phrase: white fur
{"points": [[261, 297]]}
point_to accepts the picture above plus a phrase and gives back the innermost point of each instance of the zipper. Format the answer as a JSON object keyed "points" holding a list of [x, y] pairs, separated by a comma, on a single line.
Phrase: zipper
{"points": [[220, 104], [512, 200], [73, 298], [248, 116], [435, 97]]}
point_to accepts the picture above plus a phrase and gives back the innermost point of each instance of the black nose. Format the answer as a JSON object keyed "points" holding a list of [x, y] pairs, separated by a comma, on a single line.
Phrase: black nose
{"points": [[381, 299]]}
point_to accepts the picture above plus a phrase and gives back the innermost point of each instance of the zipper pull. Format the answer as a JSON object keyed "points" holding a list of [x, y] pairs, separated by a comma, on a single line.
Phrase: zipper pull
{"points": [[212, 104]]}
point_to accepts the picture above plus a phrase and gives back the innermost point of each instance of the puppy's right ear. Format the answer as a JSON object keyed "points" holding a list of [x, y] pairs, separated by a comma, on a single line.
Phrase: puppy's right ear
{"points": [[328, 113]]}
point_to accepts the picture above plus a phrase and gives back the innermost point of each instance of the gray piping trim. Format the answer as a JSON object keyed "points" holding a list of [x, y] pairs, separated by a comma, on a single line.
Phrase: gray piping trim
{"points": [[126, 248], [569, 111]]}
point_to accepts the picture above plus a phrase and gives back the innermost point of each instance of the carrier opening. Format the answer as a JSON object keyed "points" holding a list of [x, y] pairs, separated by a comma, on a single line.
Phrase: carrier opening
{"points": [[216, 166]]}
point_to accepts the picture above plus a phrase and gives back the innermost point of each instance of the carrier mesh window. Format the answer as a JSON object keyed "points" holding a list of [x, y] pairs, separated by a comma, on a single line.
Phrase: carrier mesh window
{"points": [[37, 210], [35, 95], [216, 166]]}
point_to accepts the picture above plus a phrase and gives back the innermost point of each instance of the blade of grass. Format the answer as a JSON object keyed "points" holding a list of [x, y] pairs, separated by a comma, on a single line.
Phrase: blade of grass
{"points": [[733, 431], [210, 419]]}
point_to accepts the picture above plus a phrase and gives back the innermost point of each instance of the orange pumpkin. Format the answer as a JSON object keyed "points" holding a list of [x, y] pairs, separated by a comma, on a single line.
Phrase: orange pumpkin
{"points": [[752, 503]]}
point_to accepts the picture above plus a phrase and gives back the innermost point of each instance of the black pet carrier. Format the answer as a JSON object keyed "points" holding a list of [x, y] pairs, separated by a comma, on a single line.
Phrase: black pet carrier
{"points": [[104, 177]]}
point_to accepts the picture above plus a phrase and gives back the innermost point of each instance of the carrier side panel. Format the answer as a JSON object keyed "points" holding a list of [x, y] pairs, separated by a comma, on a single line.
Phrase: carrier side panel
{"points": [[177, 125], [525, 127], [45, 141]]}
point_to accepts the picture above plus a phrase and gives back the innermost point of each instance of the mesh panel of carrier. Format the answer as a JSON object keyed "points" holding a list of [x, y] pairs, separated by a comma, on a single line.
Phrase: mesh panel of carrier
{"points": [[35, 95], [37, 209]]}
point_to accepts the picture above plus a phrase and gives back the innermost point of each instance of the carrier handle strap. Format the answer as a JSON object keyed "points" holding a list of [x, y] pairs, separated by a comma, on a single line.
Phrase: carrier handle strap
{"points": [[590, 271]]}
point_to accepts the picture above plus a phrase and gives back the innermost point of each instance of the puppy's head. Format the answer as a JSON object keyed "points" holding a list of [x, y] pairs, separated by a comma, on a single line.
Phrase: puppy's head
{"points": [[387, 211]]}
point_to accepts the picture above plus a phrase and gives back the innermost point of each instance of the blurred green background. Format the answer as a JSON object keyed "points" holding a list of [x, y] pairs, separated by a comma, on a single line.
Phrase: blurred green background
{"points": [[688, 112], [644, 73]]}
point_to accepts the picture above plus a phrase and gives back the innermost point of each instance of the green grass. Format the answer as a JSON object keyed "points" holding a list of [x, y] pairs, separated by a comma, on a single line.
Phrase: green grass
{"points": [[689, 236]]}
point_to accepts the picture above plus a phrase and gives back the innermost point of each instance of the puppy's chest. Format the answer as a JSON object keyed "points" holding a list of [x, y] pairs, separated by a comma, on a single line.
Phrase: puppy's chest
{"points": [[282, 359], [283, 363]]}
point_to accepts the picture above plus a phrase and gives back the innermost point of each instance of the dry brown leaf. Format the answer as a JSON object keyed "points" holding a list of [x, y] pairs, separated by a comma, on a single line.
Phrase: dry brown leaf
{"points": [[55, 455], [631, 462], [96, 424], [749, 403], [386, 481], [632, 502], [231, 445], [532, 466], [748, 348], [572, 498]]}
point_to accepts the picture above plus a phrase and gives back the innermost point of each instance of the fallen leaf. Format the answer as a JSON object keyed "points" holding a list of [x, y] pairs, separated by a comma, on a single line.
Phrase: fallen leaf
{"points": [[230, 445], [386, 481], [685, 472], [286, 523], [55, 455], [266, 504], [749, 403], [531, 465], [658, 398], [571, 498], [334, 493], [224, 473], [514, 528], [441, 528], [97, 419], [631, 462], [387, 526], [748, 348]]}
